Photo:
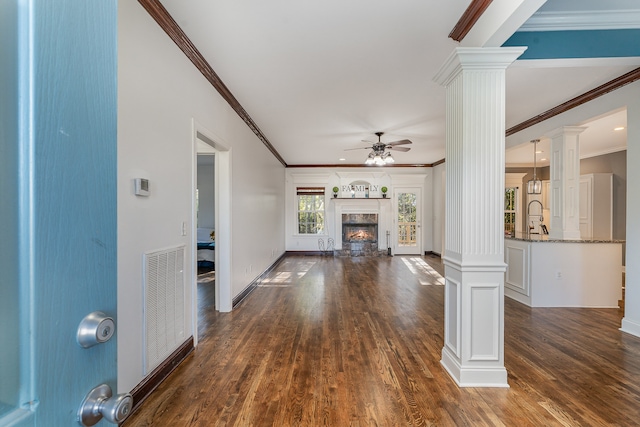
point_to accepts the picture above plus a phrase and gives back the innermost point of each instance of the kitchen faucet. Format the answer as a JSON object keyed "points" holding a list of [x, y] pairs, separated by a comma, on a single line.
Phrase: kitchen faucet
{"points": [[541, 219]]}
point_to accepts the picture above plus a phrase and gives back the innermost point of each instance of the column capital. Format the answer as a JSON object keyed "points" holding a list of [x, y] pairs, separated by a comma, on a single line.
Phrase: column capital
{"points": [[566, 131], [476, 58]]}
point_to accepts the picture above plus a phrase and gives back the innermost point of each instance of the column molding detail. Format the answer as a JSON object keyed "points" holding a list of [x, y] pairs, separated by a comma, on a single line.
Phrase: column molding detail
{"points": [[474, 233], [565, 182]]}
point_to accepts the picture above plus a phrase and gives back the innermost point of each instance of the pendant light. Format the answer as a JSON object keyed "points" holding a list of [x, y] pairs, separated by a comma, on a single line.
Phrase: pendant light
{"points": [[534, 186]]}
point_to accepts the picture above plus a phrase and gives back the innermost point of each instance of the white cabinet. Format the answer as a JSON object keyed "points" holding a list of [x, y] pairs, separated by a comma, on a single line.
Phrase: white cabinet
{"points": [[596, 206], [546, 202], [546, 190]]}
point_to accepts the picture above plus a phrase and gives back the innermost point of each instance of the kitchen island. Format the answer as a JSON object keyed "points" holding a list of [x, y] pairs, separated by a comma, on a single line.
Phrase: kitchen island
{"points": [[543, 272]]}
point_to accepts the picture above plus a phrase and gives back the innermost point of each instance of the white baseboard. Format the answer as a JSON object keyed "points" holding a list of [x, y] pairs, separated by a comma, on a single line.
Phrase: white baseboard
{"points": [[630, 327]]}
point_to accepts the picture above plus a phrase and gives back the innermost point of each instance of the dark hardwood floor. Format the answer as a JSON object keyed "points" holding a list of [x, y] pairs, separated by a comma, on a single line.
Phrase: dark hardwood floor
{"points": [[356, 342]]}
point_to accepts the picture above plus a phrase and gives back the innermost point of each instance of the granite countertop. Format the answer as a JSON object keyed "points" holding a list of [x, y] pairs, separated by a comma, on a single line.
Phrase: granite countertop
{"points": [[526, 237]]}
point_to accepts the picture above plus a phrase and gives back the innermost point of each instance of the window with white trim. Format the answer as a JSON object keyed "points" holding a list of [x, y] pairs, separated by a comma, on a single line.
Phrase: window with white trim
{"points": [[510, 209], [513, 202], [310, 210]]}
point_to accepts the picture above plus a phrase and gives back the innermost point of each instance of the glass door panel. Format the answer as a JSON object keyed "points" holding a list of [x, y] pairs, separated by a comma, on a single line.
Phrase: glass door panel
{"points": [[408, 239]]}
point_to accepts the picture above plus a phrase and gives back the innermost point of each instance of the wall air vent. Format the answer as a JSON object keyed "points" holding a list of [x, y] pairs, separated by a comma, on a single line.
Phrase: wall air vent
{"points": [[164, 276]]}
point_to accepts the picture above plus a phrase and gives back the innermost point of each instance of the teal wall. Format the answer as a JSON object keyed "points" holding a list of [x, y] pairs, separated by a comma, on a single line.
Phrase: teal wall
{"points": [[577, 44]]}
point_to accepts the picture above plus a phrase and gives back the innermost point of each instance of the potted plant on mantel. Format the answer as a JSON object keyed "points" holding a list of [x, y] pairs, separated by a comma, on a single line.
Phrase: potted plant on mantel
{"points": [[384, 192], [335, 192]]}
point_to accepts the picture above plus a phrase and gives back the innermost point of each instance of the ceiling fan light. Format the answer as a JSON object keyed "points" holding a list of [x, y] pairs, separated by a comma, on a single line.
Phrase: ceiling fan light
{"points": [[379, 155]]}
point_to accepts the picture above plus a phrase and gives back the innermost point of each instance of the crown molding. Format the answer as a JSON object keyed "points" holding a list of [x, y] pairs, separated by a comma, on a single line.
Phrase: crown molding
{"points": [[583, 20], [609, 150], [469, 19], [394, 165], [158, 12], [476, 58], [627, 61], [601, 90]]}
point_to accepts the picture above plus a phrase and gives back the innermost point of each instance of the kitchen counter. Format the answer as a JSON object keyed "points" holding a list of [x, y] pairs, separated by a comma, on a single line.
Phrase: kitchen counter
{"points": [[543, 272], [532, 237]]}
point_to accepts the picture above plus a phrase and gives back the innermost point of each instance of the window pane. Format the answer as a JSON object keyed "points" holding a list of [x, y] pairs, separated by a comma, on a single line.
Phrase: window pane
{"points": [[510, 208], [310, 214], [407, 225]]}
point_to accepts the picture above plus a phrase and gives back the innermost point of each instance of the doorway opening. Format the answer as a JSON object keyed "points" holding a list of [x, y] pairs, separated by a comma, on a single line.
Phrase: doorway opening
{"points": [[211, 225], [205, 213], [205, 234]]}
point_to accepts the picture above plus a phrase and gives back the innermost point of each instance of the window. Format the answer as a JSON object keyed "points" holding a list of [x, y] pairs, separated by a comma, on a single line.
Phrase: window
{"points": [[310, 210], [510, 209], [513, 202]]}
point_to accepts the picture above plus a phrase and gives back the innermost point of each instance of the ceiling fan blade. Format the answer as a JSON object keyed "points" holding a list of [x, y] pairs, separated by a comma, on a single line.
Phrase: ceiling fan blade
{"points": [[399, 148], [402, 142], [359, 148]]}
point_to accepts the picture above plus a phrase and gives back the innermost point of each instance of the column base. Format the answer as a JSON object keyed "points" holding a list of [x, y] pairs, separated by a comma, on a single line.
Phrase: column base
{"points": [[473, 377], [473, 352]]}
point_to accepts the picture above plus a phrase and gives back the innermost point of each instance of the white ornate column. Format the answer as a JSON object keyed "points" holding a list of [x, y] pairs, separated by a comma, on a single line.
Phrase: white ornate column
{"points": [[565, 183], [473, 350]]}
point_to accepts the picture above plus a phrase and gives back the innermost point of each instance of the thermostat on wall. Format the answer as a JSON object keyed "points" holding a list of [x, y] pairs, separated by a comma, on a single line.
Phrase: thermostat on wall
{"points": [[142, 187]]}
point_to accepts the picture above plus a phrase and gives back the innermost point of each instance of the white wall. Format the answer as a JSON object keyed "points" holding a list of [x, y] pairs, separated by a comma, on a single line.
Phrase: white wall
{"points": [[330, 177], [160, 93]]}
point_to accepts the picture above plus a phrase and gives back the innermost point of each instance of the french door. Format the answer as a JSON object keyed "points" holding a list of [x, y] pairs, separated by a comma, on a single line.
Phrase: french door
{"points": [[407, 221]]}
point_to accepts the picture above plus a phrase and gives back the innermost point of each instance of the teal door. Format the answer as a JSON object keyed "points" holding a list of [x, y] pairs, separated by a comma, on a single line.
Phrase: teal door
{"points": [[57, 204]]}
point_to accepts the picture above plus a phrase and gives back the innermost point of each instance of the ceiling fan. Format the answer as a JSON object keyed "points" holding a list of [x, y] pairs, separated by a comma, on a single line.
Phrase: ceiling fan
{"points": [[378, 155]]}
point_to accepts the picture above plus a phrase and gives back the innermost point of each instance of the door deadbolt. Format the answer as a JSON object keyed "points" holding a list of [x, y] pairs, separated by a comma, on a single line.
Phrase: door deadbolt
{"points": [[95, 328], [99, 404]]}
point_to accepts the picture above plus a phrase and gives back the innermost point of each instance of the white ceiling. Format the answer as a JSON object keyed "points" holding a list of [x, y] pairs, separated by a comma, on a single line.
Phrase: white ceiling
{"points": [[319, 77]]}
